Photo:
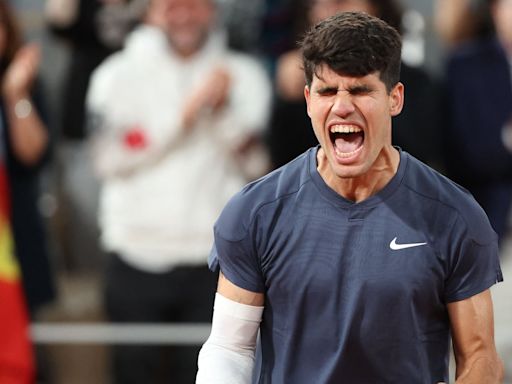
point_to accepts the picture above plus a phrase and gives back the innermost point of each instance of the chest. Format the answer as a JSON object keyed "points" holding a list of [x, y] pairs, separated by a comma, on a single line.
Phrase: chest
{"points": [[347, 254]]}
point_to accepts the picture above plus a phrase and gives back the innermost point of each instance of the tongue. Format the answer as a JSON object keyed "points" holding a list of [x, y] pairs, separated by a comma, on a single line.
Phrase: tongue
{"points": [[348, 142]]}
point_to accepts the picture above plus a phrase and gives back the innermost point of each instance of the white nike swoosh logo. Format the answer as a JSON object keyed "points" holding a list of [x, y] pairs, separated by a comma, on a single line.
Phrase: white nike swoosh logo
{"points": [[395, 247]]}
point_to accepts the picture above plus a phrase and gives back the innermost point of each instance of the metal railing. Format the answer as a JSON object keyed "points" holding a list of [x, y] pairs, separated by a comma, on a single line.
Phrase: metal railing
{"points": [[120, 333]]}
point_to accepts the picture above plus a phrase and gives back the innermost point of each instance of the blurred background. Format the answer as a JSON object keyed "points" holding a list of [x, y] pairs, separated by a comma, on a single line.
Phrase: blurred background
{"points": [[68, 329]]}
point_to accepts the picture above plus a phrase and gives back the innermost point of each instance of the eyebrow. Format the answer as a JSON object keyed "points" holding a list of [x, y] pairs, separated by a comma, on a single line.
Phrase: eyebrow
{"points": [[326, 89], [356, 89], [360, 88]]}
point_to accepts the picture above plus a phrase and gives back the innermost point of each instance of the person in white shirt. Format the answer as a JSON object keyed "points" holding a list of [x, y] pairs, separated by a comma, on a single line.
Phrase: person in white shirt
{"points": [[173, 117]]}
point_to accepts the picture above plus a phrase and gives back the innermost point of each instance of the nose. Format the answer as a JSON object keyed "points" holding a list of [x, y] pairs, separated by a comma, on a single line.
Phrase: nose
{"points": [[343, 105]]}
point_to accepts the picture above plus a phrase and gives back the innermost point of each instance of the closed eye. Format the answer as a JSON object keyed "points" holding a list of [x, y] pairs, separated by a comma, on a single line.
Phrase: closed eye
{"points": [[356, 90], [360, 90], [327, 91]]}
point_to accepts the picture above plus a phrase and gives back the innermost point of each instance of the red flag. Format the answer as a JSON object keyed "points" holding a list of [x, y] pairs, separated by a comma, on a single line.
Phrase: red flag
{"points": [[16, 355]]}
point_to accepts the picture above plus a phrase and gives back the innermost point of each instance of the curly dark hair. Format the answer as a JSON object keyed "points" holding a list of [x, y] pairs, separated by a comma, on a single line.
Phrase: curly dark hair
{"points": [[353, 44]]}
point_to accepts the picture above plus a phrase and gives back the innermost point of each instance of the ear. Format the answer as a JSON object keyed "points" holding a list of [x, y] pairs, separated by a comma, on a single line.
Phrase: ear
{"points": [[396, 98], [307, 95]]}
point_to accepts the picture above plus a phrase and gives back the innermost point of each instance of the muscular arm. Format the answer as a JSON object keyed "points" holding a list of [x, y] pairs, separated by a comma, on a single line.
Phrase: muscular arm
{"points": [[473, 340]]}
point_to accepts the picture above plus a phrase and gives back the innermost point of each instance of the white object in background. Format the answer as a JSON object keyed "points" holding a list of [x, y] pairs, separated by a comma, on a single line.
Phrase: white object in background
{"points": [[413, 46]]}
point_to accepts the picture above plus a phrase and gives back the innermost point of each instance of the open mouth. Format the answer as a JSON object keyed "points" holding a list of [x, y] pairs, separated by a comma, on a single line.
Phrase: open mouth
{"points": [[347, 140]]}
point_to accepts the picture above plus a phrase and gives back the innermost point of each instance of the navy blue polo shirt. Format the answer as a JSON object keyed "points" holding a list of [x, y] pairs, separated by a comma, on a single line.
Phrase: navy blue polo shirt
{"points": [[355, 292]]}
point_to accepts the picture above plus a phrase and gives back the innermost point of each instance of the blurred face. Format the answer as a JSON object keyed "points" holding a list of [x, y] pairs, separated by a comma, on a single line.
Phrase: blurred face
{"points": [[186, 22], [351, 117], [322, 9], [502, 16]]}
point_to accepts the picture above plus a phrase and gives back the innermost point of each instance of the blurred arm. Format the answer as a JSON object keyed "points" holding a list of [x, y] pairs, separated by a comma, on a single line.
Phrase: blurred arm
{"points": [[28, 135], [61, 13], [290, 80], [245, 116], [211, 96], [128, 132]]}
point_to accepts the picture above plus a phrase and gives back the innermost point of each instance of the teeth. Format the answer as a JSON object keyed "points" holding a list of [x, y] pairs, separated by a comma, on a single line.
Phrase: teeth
{"points": [[345, 129]]}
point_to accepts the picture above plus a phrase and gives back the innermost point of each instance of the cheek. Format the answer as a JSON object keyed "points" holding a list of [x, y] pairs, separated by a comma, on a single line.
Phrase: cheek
{"points": [[323, 103], [377, 117], [319, 110]]}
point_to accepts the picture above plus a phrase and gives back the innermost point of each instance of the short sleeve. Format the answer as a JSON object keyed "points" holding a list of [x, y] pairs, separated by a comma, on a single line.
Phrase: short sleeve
{"points": [[233, 250], [474, 269]]}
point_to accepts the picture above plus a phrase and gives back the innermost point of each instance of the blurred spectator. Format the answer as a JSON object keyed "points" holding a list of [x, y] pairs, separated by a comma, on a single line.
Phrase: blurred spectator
{"points": [[174, 114], [460, 21], [417, 129], [25, 271], [262, 27], [290, 132], [280, 24], [414, 130], [92, 29], [479, 101], [25, 145]]}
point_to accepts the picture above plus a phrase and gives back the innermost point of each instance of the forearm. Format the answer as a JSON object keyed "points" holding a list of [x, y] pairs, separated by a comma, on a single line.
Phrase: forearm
{"points": [[249, 112], [487, 370], [113, 158], [120, 149], [220, 365], [28, 135], [476, 358], [227, 357]]}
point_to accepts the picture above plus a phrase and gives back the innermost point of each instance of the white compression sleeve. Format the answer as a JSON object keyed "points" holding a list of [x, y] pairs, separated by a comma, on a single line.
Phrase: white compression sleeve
{"points": [[227, 357]]}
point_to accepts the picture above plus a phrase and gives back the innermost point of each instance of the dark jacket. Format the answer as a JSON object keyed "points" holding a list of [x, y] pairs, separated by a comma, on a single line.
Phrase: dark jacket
{"points": [[479, 103], [30, 238]]}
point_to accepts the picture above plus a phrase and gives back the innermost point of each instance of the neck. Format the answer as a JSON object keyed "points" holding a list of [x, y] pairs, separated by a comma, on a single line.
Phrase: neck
{"points": [[360, 188]]}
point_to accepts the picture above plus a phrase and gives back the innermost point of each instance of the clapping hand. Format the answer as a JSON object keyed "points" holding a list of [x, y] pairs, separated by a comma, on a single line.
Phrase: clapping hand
{"points": [[211, 96], [22, 71]]}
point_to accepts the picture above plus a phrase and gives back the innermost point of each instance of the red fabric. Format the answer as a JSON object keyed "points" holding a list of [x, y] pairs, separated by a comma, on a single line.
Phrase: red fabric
{"points": [[16, 358], [4, 192]]}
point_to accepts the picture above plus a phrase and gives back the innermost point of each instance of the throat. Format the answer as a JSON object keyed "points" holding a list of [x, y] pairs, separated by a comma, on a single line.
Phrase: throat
{"points": [[359, 187]]}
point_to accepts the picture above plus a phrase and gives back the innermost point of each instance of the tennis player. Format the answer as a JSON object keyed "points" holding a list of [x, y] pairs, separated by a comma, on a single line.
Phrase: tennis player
{"points": [[356, 262]]}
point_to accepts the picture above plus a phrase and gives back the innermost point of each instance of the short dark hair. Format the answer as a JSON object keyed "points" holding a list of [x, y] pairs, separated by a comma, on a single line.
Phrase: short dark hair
{"points": [[353, 44]]}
